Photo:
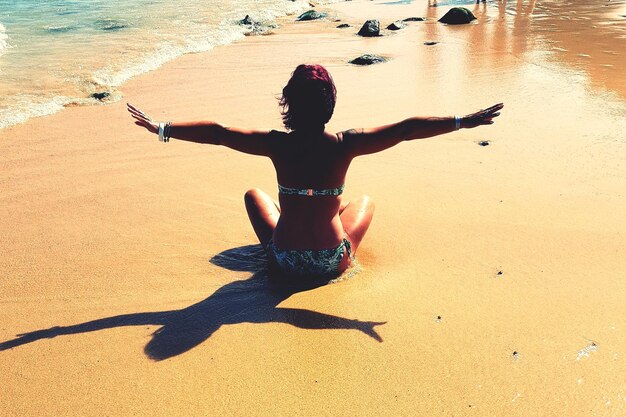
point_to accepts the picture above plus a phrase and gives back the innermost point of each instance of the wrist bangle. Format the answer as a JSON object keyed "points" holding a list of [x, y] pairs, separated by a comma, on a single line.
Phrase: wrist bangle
{"points": [[166, 132], [161, 129], [457, 122]]}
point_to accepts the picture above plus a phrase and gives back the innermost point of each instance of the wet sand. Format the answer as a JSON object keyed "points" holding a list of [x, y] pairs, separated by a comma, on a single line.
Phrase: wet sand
{"points": [[491, 281]]}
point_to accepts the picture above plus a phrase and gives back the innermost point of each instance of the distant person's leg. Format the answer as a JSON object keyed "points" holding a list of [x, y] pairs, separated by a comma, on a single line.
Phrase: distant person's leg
{"points": [[356, 217], [263, 213]]}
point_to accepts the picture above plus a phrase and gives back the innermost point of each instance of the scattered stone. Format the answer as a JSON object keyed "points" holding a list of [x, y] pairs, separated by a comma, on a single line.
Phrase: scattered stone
{"points": [[246, 20], [430, 43], [311, 15], [368, 59], [500, 273], [256, 28], [101, 96], [343, 25], [110, 24], [484, 143], [457, 16], [414, 19], [397, 25], [370, 28]]}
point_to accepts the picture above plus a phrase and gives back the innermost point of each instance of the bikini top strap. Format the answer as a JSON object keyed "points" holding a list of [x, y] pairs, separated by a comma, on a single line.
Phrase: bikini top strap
{"points": [[310, 191]]}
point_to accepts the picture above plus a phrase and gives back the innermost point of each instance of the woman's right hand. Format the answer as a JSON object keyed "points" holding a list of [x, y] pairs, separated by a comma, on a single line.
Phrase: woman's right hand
{"points": [[482, 117], [142, 119]]}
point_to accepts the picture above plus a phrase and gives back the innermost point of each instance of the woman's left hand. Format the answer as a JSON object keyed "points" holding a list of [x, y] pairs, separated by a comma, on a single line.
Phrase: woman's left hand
{"points": [[142, 119]]}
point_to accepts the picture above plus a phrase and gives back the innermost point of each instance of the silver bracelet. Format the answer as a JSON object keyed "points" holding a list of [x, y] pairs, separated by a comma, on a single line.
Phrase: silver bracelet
{"points": [[457, 122], [166, 132], [161, 129]]}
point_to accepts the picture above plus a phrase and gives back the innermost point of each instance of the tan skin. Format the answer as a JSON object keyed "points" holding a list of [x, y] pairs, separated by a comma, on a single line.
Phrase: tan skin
{"points": [[313, 159]]}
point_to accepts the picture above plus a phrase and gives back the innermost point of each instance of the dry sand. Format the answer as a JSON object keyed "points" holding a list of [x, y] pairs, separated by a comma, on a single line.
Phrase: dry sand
{"points": [[111, 305]]}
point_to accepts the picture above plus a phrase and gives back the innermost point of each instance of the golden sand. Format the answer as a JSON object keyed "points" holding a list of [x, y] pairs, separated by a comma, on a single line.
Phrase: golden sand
{"points": [[129, 286]]}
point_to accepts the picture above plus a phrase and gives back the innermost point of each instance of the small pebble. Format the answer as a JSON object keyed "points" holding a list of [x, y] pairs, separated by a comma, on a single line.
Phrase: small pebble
{"points": [[484, 143], [101, 96]]}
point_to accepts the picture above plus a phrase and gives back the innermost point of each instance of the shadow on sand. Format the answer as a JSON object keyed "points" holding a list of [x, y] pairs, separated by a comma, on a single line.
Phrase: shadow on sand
{"points": [[253, 300]]}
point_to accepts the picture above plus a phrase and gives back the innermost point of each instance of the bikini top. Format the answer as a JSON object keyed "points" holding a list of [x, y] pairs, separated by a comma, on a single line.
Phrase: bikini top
{"points": [[310, 191]]}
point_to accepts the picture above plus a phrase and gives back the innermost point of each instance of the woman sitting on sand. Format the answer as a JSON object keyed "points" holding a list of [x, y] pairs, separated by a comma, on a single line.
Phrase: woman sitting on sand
{"points": [[311, 232]]}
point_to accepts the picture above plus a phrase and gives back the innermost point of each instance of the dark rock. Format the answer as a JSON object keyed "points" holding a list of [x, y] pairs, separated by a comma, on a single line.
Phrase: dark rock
{"points": [[101, 96], [414, 19], [430, 43], [484, 143], [457, 16], [343, 25], [397, 25], [256, 28], [246, 20], [311, 15], [370, 28], [110, 24], [368, 59]]}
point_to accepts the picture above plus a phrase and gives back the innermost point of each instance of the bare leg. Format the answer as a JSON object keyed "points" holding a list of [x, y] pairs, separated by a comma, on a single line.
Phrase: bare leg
{"points": [[263, 213], [356, 217]]}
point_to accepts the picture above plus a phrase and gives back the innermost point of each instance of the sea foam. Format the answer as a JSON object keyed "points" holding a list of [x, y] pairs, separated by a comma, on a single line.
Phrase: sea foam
{"points": [[27, 106], [4, 39], [82, 46]]}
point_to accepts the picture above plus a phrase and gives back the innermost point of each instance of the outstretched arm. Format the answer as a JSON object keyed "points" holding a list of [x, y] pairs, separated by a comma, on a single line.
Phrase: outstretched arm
{"points": [[366, 141], [247, 141]]}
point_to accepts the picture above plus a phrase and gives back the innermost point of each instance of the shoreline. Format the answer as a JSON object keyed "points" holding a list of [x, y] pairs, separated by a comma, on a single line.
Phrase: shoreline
{"points": [[607, 84], [81, 88], [497, 270]]}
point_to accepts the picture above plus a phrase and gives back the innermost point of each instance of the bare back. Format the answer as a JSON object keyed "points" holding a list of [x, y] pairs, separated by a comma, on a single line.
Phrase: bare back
{"points": [[309, 162]]}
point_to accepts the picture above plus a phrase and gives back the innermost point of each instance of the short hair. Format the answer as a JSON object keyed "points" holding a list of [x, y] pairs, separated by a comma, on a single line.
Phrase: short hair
{"points": [[309, 98]]}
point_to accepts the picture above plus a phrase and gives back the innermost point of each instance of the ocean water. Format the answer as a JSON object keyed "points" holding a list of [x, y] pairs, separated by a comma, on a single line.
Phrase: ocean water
{"points": [[56, 53]]}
